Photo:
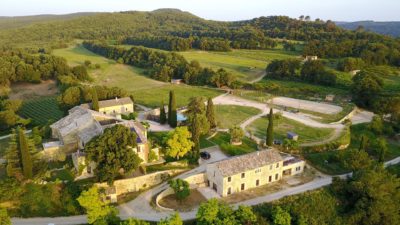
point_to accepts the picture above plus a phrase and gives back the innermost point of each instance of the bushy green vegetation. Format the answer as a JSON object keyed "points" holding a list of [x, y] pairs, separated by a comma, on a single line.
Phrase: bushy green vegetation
{"points": [[228, 116], [223, 140], [283, 125], [41, 110]]}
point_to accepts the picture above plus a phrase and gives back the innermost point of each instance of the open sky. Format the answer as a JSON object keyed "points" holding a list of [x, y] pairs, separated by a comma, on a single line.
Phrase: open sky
{"points": [[338, 10]]}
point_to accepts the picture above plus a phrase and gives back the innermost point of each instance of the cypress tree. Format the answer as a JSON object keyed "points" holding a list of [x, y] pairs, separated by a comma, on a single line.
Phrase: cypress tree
{"points": [[172, 119], [270, 130], [12, 155], [95, 100], [163, 116], [26, 158], [210, 113]]}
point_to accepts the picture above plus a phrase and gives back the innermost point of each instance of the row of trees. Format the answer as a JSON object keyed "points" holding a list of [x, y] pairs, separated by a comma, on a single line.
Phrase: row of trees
{"points": [[20, 66], [164, 66], [311, 71], [172, 43]]}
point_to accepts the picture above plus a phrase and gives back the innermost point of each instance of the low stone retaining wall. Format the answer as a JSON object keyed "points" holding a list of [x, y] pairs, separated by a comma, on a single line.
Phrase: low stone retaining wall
{"points": [[195, 181], [138, 183]]}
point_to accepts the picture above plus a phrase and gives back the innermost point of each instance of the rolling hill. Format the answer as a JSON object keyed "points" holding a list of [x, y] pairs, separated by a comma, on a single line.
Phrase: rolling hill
{"points": [[386, 28]]}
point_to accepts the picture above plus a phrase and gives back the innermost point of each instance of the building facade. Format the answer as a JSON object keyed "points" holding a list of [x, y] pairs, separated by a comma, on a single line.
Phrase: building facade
{"points": [[248, 171]]}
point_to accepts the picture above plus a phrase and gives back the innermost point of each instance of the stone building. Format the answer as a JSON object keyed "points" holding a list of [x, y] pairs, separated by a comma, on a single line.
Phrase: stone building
{"points": [[251, 170]]}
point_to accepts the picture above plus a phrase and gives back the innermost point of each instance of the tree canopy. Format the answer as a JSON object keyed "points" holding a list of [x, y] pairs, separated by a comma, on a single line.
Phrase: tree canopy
{"points": [[112, 152]]}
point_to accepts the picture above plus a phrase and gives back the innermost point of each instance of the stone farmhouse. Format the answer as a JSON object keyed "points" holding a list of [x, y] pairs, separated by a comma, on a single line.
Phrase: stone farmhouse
{"points": [[114, 107], [81, 125], [248, 171]]}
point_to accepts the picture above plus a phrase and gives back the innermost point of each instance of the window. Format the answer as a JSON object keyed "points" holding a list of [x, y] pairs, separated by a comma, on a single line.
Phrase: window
{"points": [[277, 165], [113, 111], [126, 109], [276, 176], [270, 179], [229, 191], [270, 167], [258, 170], [257, 182], [215, 187], [298, 168], [242, 187], [88, 170], [229, 179], [243, 175], [104, 112]]}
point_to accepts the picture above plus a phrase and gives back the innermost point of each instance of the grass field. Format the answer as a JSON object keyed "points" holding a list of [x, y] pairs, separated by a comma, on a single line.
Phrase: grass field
{"points": [[223, 140], [230, 115], [41, 110], [284, 125], [246, 65], [146, 91]]}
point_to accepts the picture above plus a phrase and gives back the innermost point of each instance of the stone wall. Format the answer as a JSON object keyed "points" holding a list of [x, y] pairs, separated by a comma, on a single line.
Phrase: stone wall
{"points": [[138, 183], [195, 181]]}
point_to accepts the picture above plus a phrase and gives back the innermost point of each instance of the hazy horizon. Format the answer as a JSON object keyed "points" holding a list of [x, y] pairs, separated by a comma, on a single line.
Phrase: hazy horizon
{"points": [[223, 10]]}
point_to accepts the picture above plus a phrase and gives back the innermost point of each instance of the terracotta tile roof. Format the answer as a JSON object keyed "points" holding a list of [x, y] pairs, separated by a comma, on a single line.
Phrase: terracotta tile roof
{"points": [[243, 163], [115, 102]]}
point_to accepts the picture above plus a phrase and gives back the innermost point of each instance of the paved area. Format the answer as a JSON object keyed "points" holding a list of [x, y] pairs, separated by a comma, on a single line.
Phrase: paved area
{"points": [[216, 155], [157, 127], [307, 105], [362, 117], [208, 193]]}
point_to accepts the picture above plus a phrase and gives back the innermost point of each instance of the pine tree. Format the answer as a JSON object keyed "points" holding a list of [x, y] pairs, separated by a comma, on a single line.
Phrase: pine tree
{"points": [[95, 100], [163, 116], [25, 155], [211, 113], [270, 130], [172, 117]]}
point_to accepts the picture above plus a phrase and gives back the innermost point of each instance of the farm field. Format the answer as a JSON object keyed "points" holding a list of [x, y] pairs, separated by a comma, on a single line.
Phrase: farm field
{"points": [[146, 91], [284, 125], [41, 110], [230, 115], [246, 65]]}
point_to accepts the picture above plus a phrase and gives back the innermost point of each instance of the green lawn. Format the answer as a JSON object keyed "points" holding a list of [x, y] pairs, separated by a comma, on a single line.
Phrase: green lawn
{"points": [[41, 110], [64, 174], [223, 140], [247, 65], [146, 91], [230, 115], [327, 162], [284, 125]]}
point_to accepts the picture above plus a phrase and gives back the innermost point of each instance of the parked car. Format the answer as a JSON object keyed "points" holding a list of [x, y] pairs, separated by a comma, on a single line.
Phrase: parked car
{"points": [[205, 155], [278, 142]]}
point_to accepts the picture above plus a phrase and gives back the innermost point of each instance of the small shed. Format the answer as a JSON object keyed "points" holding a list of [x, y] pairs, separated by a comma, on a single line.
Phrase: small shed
{"points": [[310, 58], [292, 136]]}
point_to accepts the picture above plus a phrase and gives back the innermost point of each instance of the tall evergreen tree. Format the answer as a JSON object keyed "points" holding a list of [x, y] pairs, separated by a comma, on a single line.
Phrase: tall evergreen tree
{"points": [[211, 113], [163, 115], [172, 117], [270, 129], [13, 167], [95, 100], [25, 155]]}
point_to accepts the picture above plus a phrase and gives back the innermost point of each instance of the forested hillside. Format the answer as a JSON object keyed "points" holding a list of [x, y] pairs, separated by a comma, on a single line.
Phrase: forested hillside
{"points": [[386, 28]]}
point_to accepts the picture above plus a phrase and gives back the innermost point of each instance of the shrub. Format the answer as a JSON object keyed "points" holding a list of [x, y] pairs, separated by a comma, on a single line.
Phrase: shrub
{"points": [[180, 187]]}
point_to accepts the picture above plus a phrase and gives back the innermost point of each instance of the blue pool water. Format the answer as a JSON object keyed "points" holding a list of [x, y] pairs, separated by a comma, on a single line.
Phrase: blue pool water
{"points": [[180, 117]]}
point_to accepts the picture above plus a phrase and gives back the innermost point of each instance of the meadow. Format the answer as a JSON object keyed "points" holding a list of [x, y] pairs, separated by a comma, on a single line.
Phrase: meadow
{"points": [[246, 65], [228, 116], [146, 91], [284, 125]]}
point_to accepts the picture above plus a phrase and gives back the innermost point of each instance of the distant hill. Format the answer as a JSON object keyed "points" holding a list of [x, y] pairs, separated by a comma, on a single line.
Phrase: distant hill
{"points": [[386, 28], [22, 21]]}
